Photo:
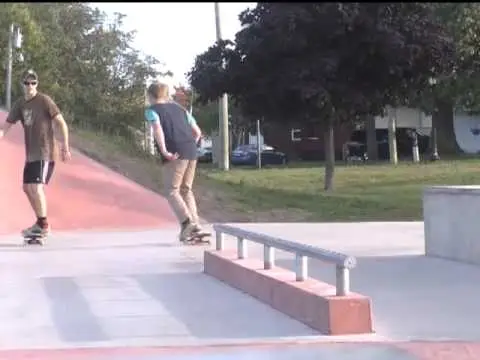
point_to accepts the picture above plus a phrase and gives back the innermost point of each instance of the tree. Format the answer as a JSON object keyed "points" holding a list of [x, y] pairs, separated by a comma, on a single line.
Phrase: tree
{"points": [[85, 61], [326, 63], [458, 89], [20, 14], [207, 115]]}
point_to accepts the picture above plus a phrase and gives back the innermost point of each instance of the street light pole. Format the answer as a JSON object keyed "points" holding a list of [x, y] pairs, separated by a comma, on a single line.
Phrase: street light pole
{"points": [[392, 137], [224, 163], [8, 90], [14, 40]]}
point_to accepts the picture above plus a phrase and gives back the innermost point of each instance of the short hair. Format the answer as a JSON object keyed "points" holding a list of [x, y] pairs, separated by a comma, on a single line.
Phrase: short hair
{"points": [[158, 90]]}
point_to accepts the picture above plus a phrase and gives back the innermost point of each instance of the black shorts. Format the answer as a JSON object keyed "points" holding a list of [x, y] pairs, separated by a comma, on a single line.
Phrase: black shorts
{"points": [[38, 172]]}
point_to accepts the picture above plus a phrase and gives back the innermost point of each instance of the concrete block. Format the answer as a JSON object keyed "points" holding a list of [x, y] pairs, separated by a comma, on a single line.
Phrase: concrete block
{"points": [[312, 302], [452, 223]]}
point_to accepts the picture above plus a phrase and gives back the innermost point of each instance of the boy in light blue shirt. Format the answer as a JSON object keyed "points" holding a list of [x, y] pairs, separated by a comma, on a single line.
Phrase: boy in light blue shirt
{"points": [[176, 136]]}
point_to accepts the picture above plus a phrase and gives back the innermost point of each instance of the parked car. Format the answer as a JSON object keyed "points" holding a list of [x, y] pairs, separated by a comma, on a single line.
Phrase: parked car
{"points": [[354, 151], [247, 155], [204, 154], [404, 142]]}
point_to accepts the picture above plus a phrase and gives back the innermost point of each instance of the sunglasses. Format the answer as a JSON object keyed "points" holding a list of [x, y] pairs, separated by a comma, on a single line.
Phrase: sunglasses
{"points": [[26, 83]]}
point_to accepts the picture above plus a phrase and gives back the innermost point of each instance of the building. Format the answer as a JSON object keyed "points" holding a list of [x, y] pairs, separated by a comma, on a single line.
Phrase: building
{"points": [[307, 142]]}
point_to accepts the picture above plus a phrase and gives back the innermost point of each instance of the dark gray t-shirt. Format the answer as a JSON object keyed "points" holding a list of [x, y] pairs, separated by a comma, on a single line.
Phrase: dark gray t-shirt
{"points": [[178, 132]]}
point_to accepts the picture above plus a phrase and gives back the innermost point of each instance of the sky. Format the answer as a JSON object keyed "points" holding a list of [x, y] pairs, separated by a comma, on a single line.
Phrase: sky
{"points": [[175, 33]]}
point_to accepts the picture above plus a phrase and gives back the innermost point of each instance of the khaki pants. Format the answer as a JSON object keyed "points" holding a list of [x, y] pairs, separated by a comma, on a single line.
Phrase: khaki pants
{"points": [[178, 178]]}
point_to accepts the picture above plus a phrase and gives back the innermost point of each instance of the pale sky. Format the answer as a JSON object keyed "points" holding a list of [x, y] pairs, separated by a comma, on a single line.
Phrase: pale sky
{"points": [[176, 32]]}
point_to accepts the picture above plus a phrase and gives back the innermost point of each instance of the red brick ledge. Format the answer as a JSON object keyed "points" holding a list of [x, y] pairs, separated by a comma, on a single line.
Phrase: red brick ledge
{"points": [[311, 302]]}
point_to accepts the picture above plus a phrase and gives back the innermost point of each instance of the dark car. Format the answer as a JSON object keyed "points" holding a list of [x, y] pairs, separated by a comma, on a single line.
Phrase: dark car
{"points": [[204, 154], [354, 151], [247, 155], [404, 142]]}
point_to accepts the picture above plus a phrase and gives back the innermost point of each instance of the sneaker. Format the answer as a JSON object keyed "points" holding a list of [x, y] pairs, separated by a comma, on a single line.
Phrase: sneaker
{"points": [[187, 231], [36, 230], [197, 228], [28, 230]]}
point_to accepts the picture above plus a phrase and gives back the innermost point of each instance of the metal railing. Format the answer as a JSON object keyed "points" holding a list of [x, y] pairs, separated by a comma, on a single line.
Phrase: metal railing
{"points": [[302, 252]]}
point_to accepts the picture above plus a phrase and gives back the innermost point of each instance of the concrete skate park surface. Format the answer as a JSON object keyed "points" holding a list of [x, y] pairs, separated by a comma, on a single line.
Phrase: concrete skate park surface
{"points": [[95, 293], [113, 283]]}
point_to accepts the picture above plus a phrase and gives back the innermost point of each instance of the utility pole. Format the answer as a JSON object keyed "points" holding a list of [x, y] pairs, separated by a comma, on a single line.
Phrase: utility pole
{"points": [[8, 90], [223, 131], [14, 40], [415, 149], [392, 135], [259, 147], [191, 101], [434, 145], [433, 135]]}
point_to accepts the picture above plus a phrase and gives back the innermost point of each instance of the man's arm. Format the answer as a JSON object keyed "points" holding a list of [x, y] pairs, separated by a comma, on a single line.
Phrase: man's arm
{"points": [[159, 137], [5, 128], [62, 124], [12, 118], [197, 133], [59, 122]]}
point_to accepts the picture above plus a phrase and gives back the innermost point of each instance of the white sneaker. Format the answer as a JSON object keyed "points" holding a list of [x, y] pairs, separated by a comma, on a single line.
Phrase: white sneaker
{"points": [[197, 228], [36, 230]]}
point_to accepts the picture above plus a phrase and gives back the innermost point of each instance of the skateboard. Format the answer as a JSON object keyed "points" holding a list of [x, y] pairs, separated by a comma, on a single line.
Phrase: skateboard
{"points": [[198, 238], [34, 239]]}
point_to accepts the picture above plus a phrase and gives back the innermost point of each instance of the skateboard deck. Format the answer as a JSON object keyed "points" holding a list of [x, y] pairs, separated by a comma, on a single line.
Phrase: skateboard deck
{"points": [[200, 238], [34, 239]]}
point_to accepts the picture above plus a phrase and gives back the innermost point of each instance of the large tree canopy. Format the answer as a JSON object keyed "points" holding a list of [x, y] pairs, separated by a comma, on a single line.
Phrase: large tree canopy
{"points": [[461, 84], [325, 62], [312, 59], [457, 89]]}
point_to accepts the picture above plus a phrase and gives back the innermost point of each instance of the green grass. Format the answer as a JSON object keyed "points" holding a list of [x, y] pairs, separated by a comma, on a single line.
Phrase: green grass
{"points": [[109, 143], [373, 192]]}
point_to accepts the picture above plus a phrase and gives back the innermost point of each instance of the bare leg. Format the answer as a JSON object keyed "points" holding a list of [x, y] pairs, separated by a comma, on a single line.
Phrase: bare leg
{"points": [[26, 190], [37, 198]]}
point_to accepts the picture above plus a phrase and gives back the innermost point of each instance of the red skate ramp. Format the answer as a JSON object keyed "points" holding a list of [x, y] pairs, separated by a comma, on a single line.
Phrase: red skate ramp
{"points": [[82, 195]]}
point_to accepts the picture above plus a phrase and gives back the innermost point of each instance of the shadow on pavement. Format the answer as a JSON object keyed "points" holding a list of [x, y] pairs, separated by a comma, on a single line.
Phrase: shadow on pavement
{"points": [[211, 309]]}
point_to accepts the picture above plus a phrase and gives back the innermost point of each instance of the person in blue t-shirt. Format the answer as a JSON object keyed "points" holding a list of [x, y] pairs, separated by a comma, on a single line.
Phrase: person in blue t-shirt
{"points": [[176, 135]]}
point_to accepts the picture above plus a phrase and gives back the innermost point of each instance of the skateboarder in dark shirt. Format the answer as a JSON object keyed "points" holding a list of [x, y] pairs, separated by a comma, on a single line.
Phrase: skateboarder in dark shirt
{"points": [[176, 134]]}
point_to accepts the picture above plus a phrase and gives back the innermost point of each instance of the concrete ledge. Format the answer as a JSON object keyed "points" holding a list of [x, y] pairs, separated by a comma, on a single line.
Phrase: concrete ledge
{"points": [[312, 302], [451, 222], [453, 190]]}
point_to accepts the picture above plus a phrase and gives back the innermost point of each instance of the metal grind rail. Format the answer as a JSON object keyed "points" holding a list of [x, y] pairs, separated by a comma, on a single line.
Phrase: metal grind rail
{"points": [[343, 263]]}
